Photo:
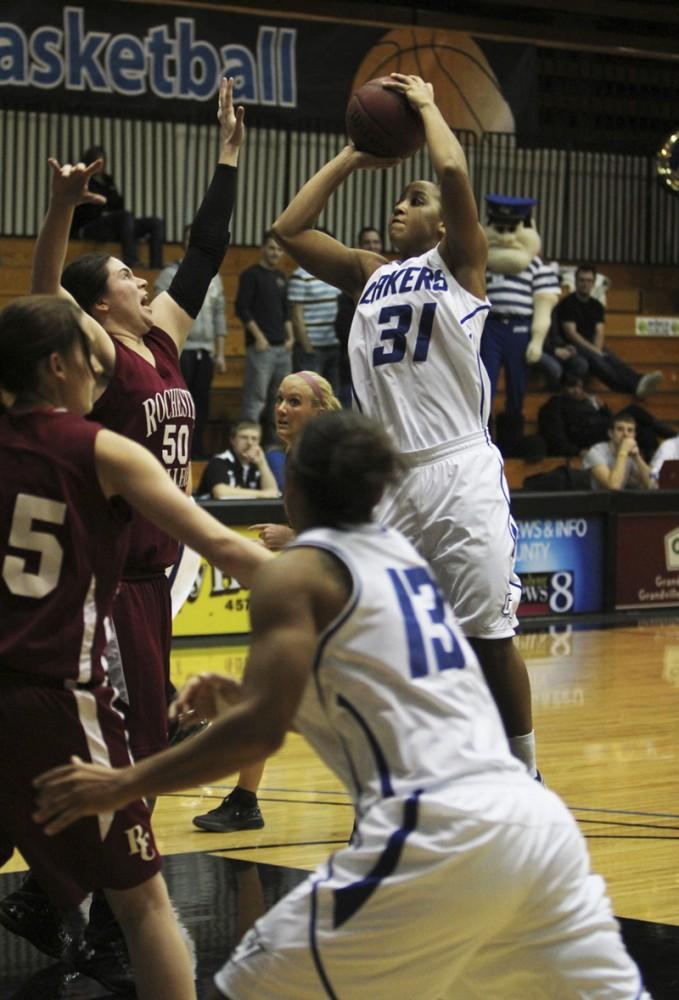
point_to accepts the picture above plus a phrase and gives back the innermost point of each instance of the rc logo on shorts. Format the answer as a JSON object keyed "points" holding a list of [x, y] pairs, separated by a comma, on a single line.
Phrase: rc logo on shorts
{"points": [[138, 840], [672, 549]]}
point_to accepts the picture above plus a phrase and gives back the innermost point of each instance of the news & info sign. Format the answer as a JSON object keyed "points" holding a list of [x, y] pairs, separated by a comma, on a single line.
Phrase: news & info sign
{"points": [[560, 561]]}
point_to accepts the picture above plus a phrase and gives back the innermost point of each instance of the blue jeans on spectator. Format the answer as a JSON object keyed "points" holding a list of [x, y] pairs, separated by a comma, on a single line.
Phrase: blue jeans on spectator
{"points": [[611, 370], [554, 368], [264, 372]]}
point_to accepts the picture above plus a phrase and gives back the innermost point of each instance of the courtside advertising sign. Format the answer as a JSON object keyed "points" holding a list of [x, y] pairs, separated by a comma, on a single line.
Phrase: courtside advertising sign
{"points": [[217, 604], [560, 562], [647, 563]]}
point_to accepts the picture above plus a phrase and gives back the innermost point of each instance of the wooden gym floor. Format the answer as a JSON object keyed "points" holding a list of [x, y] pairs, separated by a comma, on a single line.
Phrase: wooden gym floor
{"points": [[606, 707]]}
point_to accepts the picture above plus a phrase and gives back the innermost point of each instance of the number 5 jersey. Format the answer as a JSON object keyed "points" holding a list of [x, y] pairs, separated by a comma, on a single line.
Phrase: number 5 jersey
{"points": [[62, 548]]}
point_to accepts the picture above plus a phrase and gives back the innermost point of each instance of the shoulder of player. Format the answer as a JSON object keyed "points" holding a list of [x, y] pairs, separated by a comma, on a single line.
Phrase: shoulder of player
{"points": [[317, 585], [303, 567]]}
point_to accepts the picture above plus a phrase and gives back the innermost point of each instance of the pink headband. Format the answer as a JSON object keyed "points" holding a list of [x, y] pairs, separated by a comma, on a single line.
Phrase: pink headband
{"points": [[310, 380]]}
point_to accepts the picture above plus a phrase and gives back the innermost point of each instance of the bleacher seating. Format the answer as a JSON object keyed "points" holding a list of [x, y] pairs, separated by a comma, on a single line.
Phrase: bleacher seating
{"points": [[635, 290]]}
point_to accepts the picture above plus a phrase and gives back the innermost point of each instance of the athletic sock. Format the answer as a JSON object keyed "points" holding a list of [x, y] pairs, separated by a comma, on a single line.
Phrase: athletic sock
{"points": [[523, 747]]}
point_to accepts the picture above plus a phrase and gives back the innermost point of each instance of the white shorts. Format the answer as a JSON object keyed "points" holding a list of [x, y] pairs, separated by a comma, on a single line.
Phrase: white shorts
{"points": [[453, 505], [467, 905]]}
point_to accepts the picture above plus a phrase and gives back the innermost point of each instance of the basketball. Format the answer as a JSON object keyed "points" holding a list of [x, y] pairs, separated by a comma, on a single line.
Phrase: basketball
{"points": [[382, 122]]}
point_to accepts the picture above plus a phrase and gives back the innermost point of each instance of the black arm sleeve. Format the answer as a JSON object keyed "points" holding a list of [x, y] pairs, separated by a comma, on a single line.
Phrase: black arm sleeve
{"points": [[208, 242]]}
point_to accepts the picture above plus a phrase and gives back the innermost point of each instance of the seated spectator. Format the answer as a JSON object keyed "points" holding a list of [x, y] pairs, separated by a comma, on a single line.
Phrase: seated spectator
{"points": [[667, 452], [566, 274], [113, 221], [580, 319], [240, 471], [617, 464], [559, 358], [574, 420]]}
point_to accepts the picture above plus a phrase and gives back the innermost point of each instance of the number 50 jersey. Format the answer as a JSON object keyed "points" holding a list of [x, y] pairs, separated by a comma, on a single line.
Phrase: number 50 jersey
{"points": [[397, 701], [414, 354]]}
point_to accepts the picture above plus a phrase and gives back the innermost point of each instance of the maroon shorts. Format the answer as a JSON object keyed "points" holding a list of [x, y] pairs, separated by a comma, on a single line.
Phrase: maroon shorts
{"points": [[142, 616], [40, 727]]}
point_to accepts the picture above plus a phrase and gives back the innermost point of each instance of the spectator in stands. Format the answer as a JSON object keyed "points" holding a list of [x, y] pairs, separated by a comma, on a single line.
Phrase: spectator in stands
{"points": [[559, 358], [262, 307], [112, 221], [369, 238], [313, 310], [204, 347], [574, 420], [580, 319], [242, 470], [667, 452], [617, 464]]}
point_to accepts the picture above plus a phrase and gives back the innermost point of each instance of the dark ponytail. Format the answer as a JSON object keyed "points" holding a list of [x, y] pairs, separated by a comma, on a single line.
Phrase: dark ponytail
{"points": [[32, 328], [85, 278], [343, 462]]}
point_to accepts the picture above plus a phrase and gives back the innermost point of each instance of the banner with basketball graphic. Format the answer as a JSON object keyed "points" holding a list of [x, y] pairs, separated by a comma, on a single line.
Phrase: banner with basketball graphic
{"points": [[165, 63]]}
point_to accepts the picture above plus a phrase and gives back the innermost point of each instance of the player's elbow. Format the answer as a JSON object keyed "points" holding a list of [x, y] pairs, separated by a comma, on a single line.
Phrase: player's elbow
{"points": [[282, 232]]}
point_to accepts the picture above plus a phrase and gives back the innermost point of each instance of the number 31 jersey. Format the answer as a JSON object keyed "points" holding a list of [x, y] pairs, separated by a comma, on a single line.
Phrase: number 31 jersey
{"points": [[414, 354], [397, 701]]}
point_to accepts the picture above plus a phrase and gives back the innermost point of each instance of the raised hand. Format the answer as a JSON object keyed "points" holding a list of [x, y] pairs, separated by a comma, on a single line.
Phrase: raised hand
{"points": [[65, 794], [231, 122], [418, 93], [69, 182]]}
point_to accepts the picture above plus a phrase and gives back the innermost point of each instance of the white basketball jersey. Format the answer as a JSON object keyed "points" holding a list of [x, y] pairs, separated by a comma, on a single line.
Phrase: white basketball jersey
{"points": [[397, 701], [414, 354]]}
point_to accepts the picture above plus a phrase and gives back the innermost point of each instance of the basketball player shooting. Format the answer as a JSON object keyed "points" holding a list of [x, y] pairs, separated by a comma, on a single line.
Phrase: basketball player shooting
{"points": [[416, 368]]}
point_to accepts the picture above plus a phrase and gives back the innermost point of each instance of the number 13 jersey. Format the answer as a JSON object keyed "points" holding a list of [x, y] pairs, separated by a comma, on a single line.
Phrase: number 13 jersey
{"points": [[397, 701], [414, 354]]}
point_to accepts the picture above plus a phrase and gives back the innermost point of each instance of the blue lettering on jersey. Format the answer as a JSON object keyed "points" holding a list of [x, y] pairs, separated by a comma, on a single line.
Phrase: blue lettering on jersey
{"points": [[404, 279], [432, 643], [397, 333]]}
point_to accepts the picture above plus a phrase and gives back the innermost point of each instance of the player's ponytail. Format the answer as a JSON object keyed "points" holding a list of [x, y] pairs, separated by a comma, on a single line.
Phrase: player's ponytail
{"points": [[343, 462], [32, 328], [85, 278]]}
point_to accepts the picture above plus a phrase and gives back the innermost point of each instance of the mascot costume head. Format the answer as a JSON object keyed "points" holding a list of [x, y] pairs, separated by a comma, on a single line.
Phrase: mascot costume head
{"points": [[522, 292]]}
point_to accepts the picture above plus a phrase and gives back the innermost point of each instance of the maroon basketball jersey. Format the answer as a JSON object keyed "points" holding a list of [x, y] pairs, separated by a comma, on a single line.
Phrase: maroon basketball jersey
{"points": [[153, 407], [62, 548]]}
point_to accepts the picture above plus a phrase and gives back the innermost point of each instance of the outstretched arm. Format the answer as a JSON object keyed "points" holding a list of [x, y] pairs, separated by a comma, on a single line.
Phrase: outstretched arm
{"points": [[279, 664], [127, 469], [319, 253], [175, 310], [464, 247], [69, 188]]}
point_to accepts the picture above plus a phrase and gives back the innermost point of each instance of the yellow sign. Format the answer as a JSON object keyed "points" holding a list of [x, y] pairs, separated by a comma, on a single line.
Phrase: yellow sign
{"points": [[227, 660], [217, 604]]}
